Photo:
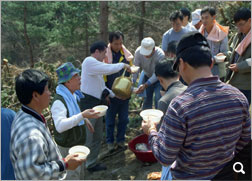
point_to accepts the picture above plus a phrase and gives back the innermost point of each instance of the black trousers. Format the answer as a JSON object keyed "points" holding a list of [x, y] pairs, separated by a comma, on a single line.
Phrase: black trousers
{"points": [[227, 173]]}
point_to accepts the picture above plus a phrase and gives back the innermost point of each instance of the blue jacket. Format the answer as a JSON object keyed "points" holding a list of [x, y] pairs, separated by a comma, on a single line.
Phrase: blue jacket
{"points": [[7, 116]]}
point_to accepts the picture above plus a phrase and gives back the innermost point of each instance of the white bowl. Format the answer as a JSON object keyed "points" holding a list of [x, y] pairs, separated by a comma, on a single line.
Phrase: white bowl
{"points": [[249, 61], [82, 151], [134, 68], [152, 115], [102, 109], [220, 58]]}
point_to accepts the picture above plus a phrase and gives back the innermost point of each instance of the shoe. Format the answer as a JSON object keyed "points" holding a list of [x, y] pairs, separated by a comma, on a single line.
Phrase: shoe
{"points": [[97, 167], [111, 147], [121, 146]]}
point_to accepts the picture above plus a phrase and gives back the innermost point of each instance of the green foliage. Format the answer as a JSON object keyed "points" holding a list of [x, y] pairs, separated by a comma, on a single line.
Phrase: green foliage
{"points": [[63, 30], [8, 95], [48, 24], [226, 16]]}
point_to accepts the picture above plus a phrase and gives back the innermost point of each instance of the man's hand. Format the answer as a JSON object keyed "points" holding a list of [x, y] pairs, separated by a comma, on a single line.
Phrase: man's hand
{"points": [[233, 67], [89, 126], [141, 88], [220, 54], [147, 126], [73, 161], [127, 67], [90, 113]]}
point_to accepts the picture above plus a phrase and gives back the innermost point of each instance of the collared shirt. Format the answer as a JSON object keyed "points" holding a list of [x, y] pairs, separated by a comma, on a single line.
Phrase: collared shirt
{"points": [[92, 82], [218, 47], [34, 154], [202, 129]]}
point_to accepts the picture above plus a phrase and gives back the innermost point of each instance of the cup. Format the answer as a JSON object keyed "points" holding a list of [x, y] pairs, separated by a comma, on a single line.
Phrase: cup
{"points": [[249, 61], [102, 109], [82, 151], [153, 115], [220, 58]]}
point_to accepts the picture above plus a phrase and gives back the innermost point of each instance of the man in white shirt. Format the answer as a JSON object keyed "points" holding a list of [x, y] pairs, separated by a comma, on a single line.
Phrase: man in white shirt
{"points": [[96, 93], [186, 17], [68, 121]]}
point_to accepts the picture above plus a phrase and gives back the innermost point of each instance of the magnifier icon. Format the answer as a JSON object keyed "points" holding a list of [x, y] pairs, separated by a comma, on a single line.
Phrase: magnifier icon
{"points": [[240, 170]]}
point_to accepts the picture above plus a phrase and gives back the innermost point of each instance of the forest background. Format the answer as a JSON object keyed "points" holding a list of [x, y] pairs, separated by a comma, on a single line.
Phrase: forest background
{"points": [[45, 34]]}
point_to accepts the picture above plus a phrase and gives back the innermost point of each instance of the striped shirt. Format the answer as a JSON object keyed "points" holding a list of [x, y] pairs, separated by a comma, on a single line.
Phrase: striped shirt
{"points": [[33, 152], [202, 129]]}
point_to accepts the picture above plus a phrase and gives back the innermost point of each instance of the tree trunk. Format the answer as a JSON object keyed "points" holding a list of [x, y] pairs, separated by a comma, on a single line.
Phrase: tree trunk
{"points": [[86, 38], [27, 37], [104, 20], [141, 24], [87, 7]]}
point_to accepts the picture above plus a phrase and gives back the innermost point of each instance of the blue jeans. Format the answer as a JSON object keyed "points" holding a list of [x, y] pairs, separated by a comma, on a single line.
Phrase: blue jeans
{"points": [[154, 88], [166, 173], [140, 82], [120, 107]]}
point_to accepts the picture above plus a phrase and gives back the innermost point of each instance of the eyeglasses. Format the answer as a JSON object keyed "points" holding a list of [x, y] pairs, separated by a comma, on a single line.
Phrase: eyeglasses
{"points": [[241, 24]]}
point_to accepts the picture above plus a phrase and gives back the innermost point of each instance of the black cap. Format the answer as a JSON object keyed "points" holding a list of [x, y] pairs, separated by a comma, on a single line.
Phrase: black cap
{"points": [[189, 40]]}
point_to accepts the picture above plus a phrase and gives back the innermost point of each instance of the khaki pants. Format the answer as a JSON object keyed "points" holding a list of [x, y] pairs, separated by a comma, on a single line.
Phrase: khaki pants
{"points": [[78, 173]]}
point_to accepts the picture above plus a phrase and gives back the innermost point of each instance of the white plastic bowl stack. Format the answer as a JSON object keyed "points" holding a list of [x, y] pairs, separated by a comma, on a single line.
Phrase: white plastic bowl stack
{"points": [[82, 151], [220, 58], [102, 109], [152, 115]]}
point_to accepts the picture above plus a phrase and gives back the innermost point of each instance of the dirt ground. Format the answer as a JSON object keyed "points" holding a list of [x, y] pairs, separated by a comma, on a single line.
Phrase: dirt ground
{"points": [[124, 165]]}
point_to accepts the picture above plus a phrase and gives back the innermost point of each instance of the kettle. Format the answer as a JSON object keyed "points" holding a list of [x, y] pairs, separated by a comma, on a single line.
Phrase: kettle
{"points": [[122, 86]]}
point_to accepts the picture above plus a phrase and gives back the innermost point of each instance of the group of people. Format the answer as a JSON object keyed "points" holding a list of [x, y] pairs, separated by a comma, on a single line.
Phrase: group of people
{"points": [[206, 122], [207, 127]]}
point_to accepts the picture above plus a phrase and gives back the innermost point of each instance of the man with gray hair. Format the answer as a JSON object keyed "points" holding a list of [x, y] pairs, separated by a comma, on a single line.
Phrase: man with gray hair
{"points": [[69, 123]]}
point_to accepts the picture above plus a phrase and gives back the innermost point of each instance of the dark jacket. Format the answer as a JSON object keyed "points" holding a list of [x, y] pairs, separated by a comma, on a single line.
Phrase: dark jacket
{"points": [[72, 137], [241, 79]]}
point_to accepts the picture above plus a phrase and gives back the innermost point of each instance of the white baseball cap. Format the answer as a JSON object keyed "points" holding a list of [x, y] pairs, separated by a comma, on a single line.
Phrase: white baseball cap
{"points": [[196, 16], [147, 46]]}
